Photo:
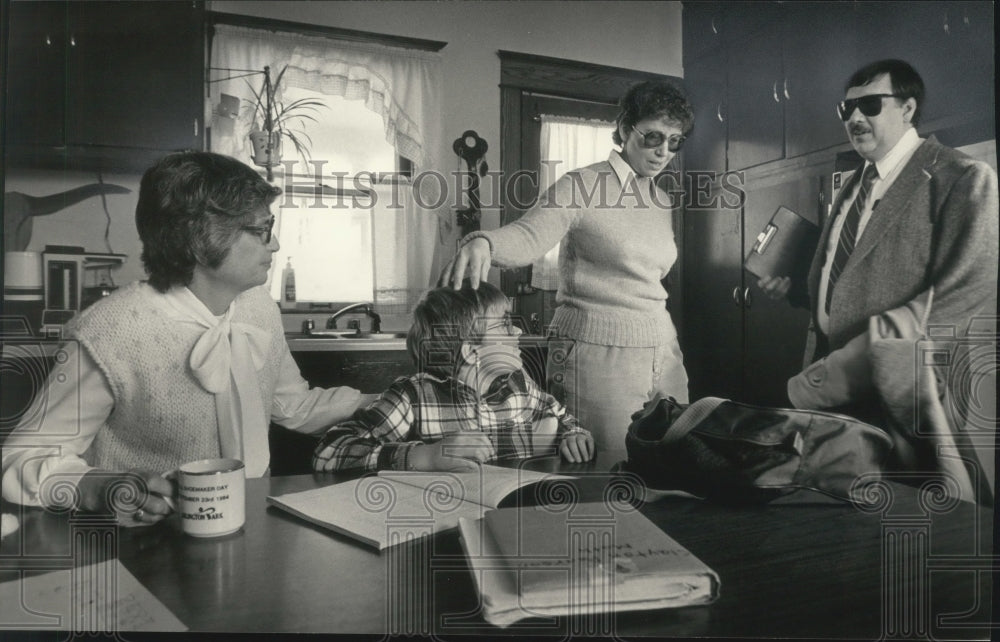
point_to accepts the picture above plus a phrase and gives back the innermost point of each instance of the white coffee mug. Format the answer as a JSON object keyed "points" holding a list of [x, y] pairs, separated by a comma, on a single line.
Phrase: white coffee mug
{"points": [[212, 497]]}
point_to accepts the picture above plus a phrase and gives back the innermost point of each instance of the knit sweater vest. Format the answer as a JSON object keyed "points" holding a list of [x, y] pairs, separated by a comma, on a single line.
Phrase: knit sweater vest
{"points": [[162, 416], [617, 245]]}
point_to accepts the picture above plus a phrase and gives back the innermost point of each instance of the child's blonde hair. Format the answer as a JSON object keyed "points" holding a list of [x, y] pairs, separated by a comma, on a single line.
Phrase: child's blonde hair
{"points": [[445, 319]]}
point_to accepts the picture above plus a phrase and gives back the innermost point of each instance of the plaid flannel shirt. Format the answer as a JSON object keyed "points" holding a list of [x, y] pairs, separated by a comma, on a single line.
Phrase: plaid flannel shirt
{"points": [[423, 408]]}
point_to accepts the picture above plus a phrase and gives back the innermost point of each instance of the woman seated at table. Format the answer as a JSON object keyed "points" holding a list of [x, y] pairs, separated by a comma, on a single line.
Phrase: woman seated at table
{"points": [[188, 365]]}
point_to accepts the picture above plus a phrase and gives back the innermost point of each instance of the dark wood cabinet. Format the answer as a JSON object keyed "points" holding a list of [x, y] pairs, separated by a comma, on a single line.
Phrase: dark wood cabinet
{"points": [[775, 331], [35, 110], [812, 87], [100, 83], [739, 344], [706, 151], [951, 44], [756, 90], [713, 338]]}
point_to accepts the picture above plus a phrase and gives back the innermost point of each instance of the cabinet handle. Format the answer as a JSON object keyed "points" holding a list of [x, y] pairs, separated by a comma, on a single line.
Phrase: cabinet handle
{"points": [[715, 30], [736, 296], [718, 113], [746, 297], [196, 128], [48, 40], [945, 25], [784, 86], [72, 40], [774, 91]]}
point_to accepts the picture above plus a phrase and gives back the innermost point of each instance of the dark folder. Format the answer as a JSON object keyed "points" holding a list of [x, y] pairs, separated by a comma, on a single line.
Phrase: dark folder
{"points": [[784, 247]]}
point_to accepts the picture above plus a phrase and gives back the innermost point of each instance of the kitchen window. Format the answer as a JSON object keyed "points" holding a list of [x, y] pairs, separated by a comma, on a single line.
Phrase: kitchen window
{"points": [[348, 221]]}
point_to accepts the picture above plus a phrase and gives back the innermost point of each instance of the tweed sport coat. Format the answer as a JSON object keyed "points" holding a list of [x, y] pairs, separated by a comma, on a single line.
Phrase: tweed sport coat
{"points": [[935, 226]]}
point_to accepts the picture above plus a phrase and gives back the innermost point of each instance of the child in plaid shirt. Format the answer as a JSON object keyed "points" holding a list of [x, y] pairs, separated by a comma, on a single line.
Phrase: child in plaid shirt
{"points": [[471, 401]]}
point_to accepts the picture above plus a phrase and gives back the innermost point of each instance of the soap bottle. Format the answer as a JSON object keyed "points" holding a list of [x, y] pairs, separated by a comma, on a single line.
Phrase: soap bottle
{"points": [[288, 285]]}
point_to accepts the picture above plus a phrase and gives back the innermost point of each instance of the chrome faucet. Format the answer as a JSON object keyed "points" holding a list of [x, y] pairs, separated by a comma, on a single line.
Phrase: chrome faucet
{"points": [[367, 308]]}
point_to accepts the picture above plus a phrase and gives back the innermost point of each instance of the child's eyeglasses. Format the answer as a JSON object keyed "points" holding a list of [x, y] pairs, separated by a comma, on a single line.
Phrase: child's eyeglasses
{"points": [[870, 105], [262, 231], [507, 323], [653, 139]]}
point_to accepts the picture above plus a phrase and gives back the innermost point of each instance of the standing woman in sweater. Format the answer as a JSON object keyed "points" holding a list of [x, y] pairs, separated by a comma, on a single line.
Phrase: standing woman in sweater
{"points": [[612, 343], [191, 364]]}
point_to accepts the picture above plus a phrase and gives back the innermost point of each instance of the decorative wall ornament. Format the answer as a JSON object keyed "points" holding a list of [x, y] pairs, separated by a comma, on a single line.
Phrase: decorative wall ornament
{"points": [[472, 149]]}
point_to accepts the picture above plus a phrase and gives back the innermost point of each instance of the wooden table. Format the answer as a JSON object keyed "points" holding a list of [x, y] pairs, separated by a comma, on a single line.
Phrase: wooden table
{"points": [[915, 565]]}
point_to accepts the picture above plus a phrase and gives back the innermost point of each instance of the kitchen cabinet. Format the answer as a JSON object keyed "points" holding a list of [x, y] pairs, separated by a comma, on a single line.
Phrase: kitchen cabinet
{"points": [[756, 90], [112, 81], [951, 44], [811, 94], [706, 151], [713, 339], [740, 344]]}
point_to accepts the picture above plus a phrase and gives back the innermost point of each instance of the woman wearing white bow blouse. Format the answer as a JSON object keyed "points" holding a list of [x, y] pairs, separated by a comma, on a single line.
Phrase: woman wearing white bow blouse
{"points": [[188, 365]]}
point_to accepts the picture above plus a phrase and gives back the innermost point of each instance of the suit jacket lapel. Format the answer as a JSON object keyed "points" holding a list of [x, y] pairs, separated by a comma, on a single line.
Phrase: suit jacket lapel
{"points": [[894, 204]]}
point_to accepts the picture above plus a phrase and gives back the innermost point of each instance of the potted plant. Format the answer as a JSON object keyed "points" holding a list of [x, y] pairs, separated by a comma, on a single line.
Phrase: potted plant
{"points": [[275, 120]]}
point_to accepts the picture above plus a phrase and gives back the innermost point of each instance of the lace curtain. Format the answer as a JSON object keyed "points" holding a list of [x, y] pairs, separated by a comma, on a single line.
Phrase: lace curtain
{"points": [[567, 143], [403, 86]]}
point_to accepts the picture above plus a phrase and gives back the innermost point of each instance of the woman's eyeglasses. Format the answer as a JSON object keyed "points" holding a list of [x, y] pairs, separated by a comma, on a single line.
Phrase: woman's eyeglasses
{"points": [[652, 140], [262, 231], [870, 105]]}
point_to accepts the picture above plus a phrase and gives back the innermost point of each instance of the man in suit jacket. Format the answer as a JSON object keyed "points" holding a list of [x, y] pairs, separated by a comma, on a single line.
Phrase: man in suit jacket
{"points": [[925, 222]]}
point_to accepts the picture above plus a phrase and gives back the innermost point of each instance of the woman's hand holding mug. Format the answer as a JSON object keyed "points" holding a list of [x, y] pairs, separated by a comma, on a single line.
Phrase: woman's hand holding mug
{"points": [[137, 496]]}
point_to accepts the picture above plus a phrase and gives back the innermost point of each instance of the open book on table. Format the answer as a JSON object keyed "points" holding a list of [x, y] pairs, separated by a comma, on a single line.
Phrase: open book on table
{"points": [[547, 561], [393, 507]]}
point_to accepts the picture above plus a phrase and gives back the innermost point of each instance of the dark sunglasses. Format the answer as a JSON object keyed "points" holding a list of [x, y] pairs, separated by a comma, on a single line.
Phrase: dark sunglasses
{"points": [[262, 231], [870, 105], [652, 140]]}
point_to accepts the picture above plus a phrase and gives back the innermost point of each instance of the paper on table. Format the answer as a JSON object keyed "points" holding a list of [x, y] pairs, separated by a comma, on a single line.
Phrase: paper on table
{"points": [[99, 597]]}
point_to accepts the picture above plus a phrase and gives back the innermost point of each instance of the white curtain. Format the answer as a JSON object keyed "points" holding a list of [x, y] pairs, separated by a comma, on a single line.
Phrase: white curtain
{"points": [[403, 86], [567, 143]]}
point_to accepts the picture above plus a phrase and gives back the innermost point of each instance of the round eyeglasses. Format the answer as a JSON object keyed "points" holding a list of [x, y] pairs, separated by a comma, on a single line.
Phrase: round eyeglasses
{"points": [[263, 232], [653, 139]]}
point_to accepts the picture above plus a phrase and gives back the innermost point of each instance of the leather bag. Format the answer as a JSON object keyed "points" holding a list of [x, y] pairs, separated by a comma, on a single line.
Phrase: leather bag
{"points": [[737, 453]]}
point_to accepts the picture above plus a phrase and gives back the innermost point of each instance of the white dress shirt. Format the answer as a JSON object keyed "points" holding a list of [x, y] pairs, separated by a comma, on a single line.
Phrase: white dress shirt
{"points": [[888, 168]]}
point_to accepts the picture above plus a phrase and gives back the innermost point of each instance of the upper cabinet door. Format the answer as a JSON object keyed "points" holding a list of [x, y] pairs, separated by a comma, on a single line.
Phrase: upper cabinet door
{"points": [[706, 151], [951, 45], [36, 51], [756, 101], [815, 72], [134, 74], [704, 24]]}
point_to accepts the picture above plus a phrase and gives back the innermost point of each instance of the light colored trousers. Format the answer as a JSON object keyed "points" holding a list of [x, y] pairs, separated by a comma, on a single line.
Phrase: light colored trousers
{"points": [[602, 386]]}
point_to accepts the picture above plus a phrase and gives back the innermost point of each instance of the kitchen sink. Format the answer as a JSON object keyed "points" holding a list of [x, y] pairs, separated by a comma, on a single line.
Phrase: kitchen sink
{"points": [[350, 334]]}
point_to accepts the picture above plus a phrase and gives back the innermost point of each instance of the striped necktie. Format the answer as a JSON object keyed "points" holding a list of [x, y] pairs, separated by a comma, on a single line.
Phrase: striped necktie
{"points": [[849, 232]]}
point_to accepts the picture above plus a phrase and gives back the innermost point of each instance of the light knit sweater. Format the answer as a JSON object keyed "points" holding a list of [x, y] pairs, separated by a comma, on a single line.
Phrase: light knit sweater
{"points": [[617, 245], [162, 416]]}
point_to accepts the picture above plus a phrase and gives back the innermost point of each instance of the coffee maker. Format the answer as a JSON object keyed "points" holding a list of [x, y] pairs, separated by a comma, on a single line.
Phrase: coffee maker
{"points": [[74, 279]]}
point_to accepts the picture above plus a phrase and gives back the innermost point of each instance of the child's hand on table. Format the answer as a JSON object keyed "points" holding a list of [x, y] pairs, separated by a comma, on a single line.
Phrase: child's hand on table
{"points": [[455, 453], [577, 447]]}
